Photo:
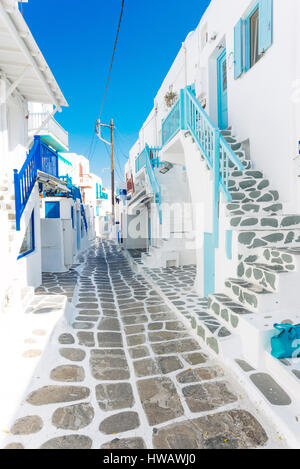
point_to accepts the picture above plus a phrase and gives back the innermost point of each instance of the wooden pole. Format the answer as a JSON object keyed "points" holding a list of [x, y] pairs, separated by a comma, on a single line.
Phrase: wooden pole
{"points": [[112, 171]]}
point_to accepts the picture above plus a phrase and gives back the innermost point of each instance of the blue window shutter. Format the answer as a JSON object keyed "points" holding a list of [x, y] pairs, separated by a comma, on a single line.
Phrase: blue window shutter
{"points": [[265, 25], [238, 50], [52, 210]]}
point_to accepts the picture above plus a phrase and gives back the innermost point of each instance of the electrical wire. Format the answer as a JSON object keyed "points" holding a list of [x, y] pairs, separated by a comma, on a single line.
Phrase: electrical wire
{"points": [[112, 59], [92, 152]]}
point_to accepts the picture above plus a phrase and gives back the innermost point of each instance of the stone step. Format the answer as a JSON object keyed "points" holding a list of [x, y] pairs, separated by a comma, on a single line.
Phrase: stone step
{"points": [[258, 299], [236, 146], [255, 196], [283, 222], [246, 163], [247, 241], [255, 298], [214, 332], [288, 258], [230, 139], [286, 371], [247, 184], [225, 308], [249, 174], [262, 275], [226, 131], [260, 209], [254, 330]]}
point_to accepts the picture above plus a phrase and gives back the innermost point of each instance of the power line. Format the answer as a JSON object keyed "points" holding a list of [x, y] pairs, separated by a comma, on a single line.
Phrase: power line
{"points": [[112, 59], [92, 152]]}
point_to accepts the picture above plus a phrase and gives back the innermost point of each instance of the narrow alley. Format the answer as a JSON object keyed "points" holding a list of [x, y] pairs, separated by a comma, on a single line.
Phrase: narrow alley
{"points": [[122, 370]]}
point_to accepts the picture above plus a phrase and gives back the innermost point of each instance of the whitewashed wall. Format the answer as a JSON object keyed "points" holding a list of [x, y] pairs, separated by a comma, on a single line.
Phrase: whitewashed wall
{"points": [[264, 103]]}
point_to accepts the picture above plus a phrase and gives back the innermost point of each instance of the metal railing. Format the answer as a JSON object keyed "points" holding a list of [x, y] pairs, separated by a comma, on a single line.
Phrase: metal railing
{"points": [[40, 158], [188, 114], [171, 125], [145, 160], [211, 142]]}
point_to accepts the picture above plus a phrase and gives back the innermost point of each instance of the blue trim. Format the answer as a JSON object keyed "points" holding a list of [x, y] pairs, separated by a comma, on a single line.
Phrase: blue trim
{"points": [[238, 49], [32, 238], [52, 209], [209, 264], [72, 217], [229, 244], [222, 96]]}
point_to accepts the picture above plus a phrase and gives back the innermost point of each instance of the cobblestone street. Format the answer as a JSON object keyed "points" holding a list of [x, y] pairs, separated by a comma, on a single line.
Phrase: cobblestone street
{"points": [[125, 372]]}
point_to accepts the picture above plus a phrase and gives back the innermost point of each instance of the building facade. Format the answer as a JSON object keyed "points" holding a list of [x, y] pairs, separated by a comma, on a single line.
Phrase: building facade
{"points": [[214, 176]]}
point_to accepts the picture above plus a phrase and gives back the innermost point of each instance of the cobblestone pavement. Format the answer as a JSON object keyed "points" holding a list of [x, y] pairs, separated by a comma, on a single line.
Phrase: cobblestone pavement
{"points": [[126, 373]]}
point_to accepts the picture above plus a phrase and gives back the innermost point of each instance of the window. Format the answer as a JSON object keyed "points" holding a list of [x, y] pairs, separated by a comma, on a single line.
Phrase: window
{"points": [[52, 210], [28, 244], [253, 36]]}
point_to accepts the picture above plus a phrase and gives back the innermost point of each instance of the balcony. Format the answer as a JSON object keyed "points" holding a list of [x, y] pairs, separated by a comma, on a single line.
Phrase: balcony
{"points": [[51, 132]]}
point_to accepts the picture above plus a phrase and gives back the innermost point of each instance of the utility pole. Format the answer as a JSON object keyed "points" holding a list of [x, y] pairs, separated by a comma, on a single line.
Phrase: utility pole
{"points": [[99, 125]]}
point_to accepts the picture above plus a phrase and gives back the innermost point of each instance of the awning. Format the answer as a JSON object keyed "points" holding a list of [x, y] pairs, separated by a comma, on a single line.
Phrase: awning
{"points": [[21, 61], [51, 182], [141, 198]]}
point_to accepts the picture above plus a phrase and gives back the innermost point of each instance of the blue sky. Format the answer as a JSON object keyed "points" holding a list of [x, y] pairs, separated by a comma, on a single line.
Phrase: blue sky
{"points": [[77, 38]]}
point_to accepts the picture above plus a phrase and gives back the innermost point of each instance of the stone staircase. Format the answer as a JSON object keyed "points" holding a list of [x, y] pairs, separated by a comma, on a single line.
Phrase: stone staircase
{"points": [[13, 293], [265, 289]]}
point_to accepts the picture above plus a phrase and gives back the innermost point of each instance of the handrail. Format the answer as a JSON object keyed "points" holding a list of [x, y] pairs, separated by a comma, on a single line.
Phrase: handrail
{"points": [[171, 124], [200, 136], [188, 114], [145, 160], [40, 158]]}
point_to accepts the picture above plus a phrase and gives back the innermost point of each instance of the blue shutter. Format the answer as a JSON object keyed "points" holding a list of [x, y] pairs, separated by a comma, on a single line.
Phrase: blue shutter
{"points": [[52, 210], [238, 50], [265, 25]]}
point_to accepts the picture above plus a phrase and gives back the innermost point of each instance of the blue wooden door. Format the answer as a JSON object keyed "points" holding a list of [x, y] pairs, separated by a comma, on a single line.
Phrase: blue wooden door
{"points": [[222, 91]]}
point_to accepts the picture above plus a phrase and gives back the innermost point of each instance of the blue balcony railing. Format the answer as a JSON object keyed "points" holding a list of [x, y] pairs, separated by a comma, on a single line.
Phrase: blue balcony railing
{"points": [[188, 114], [146, 160], [171, 125], [40, 158]]}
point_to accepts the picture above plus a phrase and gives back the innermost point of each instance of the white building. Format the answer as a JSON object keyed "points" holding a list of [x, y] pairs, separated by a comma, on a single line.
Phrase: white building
{"points": [[30, 139], [223, 136]]}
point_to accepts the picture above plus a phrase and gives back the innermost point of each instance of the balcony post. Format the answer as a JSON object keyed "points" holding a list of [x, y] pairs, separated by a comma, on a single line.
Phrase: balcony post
{"points": [[216, 188], [17, 199], [182, 110]]}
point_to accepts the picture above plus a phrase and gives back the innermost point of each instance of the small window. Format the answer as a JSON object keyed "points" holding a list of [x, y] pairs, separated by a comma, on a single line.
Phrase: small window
{"points": [[28, 245], [52, 210], [254, 38]]}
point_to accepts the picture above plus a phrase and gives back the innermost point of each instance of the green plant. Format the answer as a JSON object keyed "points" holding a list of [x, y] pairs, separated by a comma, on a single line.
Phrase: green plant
{"points": [[170, 98]]}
